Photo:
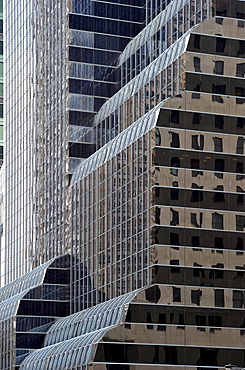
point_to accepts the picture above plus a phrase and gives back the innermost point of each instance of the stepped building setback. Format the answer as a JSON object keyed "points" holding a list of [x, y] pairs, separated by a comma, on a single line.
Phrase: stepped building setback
{"points": [[124, 185]]}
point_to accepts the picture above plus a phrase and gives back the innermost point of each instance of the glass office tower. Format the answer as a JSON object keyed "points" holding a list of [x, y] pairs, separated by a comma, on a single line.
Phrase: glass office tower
{"points": [[155, 216], [61, 62]]}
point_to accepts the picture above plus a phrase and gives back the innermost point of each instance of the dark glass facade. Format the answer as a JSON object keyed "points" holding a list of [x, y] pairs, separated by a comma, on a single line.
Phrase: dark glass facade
{"points": [[155, 216]]}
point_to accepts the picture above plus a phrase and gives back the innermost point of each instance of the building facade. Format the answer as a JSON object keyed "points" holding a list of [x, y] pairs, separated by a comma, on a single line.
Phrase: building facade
{"points": [[154, 222], [61, 67]]}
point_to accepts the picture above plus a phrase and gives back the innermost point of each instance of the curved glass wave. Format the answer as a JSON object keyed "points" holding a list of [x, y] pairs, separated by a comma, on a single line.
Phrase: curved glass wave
{"points": [[152, 70], [101, 316], [115, 146]]}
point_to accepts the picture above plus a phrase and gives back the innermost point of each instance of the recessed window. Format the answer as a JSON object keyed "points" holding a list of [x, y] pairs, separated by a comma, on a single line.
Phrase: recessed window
{"points": [[218, 68], [219, 122], [161, 322], [195, 296], [220, 44], [196, 119], [240, 197], [176, 294], [173, 268], [149, 321], [197, 142], [219, 299], [195, 164], [240, 122], [196, 196], [217, 221], [240, 70], [241, 50], [175, 217], [195, 241], [237, 299], [174, 239], [200, 320], [240, 222], [175, 143], [175, 162], [218, 242], [219, 194], [174, 116], [219, 165], [240, 145], [174, 194], [197, 39], [218, 145], [197, 64], [194, 221], [239, 244], [217, 271], [198, 271]]}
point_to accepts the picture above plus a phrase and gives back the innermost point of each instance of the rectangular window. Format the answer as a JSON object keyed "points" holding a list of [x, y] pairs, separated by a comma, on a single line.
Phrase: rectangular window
{"points": [[219, 299], [176, 294]]}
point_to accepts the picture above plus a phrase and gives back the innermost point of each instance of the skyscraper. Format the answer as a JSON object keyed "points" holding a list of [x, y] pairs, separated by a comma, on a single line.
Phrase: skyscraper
{"points": [[145, 247], [60, 68]]}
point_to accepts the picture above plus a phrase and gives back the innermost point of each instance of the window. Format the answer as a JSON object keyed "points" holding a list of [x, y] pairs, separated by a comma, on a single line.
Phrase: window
{"points": [[220, 44], [174, 269], [198, 271], [215, 321], [200, 320], [239, 167], [195, 241], [219, 165], [240, 145], [194, 219], [175, 143], [197, 142], [240, 91], [218, 242], [174, 116], [241, 50], [176, 294], [239, 196], [218, 68], [149, 320], [161, 321], [219, 122], [239, 244], [195, 163], [175, 217], [240, 222], [157, 215], [237, 299], [240, 122], [218, 145], [219, 196], [240, 70], [174, 194], [174, 239], [195, 296], [216, 271], [219, 299], [197, 39], [196, 118], [197, 64], [217, 221], [196, 196], [174, 162]]}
